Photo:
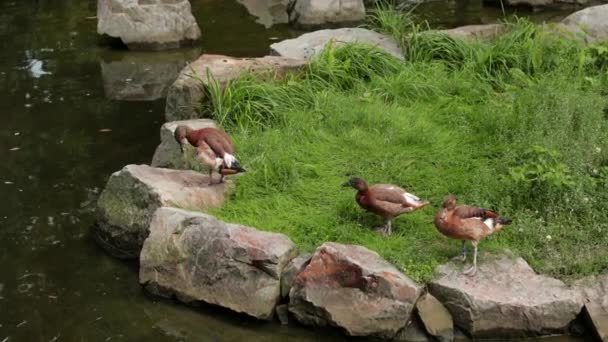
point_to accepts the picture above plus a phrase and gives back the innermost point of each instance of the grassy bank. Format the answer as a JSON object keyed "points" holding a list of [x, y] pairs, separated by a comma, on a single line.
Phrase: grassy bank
{"points": [[520, 125]]}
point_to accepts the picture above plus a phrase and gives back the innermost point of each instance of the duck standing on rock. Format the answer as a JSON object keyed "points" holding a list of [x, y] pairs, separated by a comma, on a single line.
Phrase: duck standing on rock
{"points": [[388, 201], [214, 149], [464, 223]]}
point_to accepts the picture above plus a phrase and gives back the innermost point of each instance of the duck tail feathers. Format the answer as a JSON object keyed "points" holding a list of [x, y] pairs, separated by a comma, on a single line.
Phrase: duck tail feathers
{"points": [[237, 166], [504, 221]]}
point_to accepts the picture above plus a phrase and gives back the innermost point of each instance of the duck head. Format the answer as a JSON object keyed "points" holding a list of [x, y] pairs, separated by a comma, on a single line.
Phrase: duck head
{"points": [[356, 183], [180, 135], [449, 202]]}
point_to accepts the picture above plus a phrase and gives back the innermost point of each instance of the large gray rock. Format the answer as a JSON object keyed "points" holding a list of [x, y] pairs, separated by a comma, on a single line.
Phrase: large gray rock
{"points": [[593, 21], [506, 298], [168, 153], [476, 32], [314, 13], [595, 294], [308, 45], [132, 195], [199, 258], [268, 12], [554, 4], [187, 93], [353, 288], [141, 76], [294, 267], [436, 318], [148, 24]]}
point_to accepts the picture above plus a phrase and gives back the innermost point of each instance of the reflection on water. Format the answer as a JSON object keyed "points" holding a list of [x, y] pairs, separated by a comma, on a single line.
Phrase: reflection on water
{"points": [[63, 133], [142, 76]]}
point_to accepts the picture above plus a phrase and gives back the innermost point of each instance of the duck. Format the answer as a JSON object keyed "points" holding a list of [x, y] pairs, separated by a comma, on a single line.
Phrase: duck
{"points": [[468, 223], [214, 149], [385, 200]]}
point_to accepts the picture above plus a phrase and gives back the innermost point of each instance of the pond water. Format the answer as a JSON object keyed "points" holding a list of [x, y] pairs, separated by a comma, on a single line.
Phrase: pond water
{"points": [[73, 111]]}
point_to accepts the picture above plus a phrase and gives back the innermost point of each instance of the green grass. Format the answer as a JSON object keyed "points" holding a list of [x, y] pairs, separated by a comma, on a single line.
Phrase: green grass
{"points": [[518, 125]]}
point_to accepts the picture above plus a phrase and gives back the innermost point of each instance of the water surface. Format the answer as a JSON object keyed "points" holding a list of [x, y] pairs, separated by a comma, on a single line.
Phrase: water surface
{"points": [[74, 111]]}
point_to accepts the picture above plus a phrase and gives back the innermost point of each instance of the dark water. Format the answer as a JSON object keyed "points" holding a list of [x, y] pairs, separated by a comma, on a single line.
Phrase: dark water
{"points": [[73, 111]]}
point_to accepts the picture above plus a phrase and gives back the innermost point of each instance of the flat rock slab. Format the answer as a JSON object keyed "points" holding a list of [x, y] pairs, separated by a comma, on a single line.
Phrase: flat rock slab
{"points": [[199, 258], [595, 294], [168, 153], [353, 288], [132, 195], [148, 24], [435, 318], [592, 21], [476, 32], [319, 13], [506, 298], [188, 92], [308, 45]]}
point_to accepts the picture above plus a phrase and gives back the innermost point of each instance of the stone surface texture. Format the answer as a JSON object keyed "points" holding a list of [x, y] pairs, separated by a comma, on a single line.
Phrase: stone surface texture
{"points": [[315, 13], [187, 93], [308, 45], [506, 298], [132, 195], [595, 294], [168, 153], [592, 21], [353, 288], [435, 317], [197, 257], [476, 32], [291, 271], [268, 12], [148, 24]]}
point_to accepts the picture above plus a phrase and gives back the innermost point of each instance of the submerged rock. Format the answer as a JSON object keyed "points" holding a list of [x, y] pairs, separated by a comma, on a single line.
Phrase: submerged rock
{"points": [[315, 13], [187, 93], [435, 317], [268, 12], [353, 288], [199, 258], [148, 24], [141, 76], [308, 45], [132, 195], [168, 153], [506, 298], [592, 21], [595, 294]]}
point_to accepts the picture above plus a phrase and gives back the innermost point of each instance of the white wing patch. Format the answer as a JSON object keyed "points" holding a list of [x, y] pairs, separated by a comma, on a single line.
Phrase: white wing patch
{"points": [[229, 159], [410, 197], [490, 223]]}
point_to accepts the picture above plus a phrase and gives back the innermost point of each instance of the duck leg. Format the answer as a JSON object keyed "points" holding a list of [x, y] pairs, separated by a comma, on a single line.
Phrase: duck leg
{"points": [[384, 230], [389, 227], [473, 270], [210, 176], [221, 173], [463, 255]]}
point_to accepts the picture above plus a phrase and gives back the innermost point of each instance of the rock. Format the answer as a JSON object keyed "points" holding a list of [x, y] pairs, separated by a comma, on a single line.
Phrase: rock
{"points": [[553, 4], [187, 92], [268, 12], [595, 293], [308, 45], [140, 76], [291, 271], [353, 288], [413, 332], [148, 24], [476, 32], [315, 13], [435, 317], [506, 298], [593, 21], [132, 195], [199, 258], [168, 153], [283, 313]]}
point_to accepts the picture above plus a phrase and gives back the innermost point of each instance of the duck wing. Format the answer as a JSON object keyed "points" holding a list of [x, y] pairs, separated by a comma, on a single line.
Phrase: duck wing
{"points": [[388, 193], [465, 212], [218, 141]]}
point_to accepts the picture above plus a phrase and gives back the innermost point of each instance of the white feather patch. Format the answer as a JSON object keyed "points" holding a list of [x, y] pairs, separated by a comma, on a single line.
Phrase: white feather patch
{"points": [[229, 159], [490, 223], [410, 197]]}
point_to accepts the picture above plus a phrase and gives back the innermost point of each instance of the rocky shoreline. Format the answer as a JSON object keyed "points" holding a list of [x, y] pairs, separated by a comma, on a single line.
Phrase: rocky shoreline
{"points": [[155, 213]]}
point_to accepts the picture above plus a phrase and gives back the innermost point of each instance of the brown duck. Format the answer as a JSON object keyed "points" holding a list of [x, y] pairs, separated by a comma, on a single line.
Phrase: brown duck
{"points": [[468, 223], [388, 201], [214, 149]]}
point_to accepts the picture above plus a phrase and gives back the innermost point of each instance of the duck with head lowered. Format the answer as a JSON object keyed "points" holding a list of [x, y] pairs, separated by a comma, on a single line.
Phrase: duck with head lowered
{"points": [[214, 149], [388, 201], [467, 223]]}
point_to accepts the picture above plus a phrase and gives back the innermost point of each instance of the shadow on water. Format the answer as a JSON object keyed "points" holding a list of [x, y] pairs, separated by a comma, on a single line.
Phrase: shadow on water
{"points": [[73, 111]]}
